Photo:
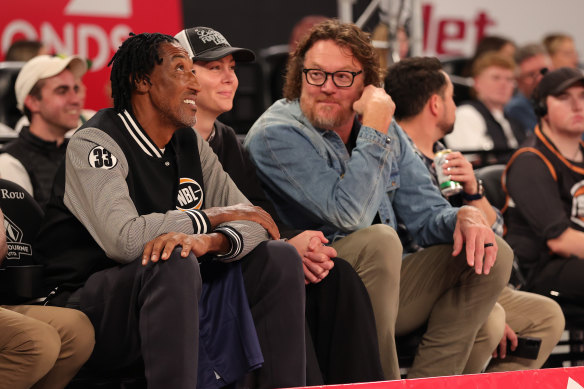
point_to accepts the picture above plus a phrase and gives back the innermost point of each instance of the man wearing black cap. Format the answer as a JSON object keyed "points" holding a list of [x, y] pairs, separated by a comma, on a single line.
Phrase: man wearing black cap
{"points": [[545, 186]]}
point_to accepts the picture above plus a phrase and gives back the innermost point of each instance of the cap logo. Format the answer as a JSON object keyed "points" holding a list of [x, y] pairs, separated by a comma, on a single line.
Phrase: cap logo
{"points": [[212, 36]]}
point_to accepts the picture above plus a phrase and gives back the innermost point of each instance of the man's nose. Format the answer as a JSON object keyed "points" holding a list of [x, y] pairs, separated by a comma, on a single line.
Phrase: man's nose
{"points": [[75, 97], [578, 103], [329, 85], [194, 83]]}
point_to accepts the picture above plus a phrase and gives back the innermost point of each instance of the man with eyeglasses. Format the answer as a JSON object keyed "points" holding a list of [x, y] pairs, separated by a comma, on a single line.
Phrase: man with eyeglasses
{"points": [[531, 59], [331, 158]]}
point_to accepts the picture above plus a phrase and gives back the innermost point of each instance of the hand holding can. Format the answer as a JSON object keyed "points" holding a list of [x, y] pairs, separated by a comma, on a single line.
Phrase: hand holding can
{"points": [[448, 187]]}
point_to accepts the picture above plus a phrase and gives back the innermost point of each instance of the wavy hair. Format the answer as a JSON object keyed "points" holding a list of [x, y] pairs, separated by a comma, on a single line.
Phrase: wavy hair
{"points": [[346, 35]]}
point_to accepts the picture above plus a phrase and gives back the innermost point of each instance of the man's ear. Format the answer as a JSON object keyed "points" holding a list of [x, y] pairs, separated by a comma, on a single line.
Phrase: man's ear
{"points": [[434, 103], [143, 85], [32, 103]]}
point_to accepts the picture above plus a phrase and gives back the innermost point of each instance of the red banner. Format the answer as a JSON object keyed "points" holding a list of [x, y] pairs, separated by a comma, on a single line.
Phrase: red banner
{"points": [[93, 29]]}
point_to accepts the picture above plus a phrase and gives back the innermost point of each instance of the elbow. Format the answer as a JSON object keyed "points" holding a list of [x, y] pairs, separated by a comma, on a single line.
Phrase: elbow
{"points": [[121, 250]]}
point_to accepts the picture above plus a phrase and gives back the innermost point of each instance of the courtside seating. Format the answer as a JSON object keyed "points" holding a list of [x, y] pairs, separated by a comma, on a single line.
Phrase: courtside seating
{"points": [[20, 277]]}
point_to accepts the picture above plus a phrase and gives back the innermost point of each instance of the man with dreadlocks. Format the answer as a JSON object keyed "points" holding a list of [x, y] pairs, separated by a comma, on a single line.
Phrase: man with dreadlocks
{"points": [[137, 183]]}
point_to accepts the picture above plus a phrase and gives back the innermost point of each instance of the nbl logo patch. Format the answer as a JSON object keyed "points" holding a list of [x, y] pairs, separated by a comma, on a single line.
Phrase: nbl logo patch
{"points": [[100, 158], [190, 195]]}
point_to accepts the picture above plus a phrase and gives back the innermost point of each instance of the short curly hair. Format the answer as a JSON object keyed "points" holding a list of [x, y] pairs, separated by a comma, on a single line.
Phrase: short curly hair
{"points": [[346, 35]]}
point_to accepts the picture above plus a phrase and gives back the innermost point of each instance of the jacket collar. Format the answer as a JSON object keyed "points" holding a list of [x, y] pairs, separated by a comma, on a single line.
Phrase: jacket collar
{"points": [[139, 135]]}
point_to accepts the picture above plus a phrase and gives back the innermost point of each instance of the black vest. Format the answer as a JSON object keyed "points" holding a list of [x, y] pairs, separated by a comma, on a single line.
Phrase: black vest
{"points": [[495, 130], [40, 158]]}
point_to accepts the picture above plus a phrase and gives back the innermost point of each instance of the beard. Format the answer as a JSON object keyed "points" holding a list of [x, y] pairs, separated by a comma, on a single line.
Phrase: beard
{"points": [[178, 116], [324, 117], [446, 128]]}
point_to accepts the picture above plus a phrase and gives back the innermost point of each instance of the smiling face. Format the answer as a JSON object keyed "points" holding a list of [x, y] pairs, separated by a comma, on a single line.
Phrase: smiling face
{"points": [[173, 87], [218, 84], [58, 105], [328, 106]]}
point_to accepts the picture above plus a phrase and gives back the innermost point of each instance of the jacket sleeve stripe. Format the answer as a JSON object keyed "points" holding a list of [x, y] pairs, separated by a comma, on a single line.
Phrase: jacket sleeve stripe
{"points": [[200, 221], [236, 242]]}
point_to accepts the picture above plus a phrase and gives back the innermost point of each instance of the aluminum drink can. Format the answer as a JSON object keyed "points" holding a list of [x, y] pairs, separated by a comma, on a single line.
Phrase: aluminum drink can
{"points": [[447, 186]]}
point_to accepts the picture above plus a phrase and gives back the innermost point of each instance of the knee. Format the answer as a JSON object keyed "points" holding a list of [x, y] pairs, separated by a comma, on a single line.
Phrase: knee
{"points": [[36, 347], [504, 262], [493, 328], [180, 269], [382, 238], [341, 275], [342, 270], [553, 316], [45, 340], [77, 336], [176, 278], [382, 252], [282, 262]]}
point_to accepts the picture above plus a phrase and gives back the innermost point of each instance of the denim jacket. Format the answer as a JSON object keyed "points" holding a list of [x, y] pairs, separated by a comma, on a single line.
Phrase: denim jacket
{"points": [[316, 184]]}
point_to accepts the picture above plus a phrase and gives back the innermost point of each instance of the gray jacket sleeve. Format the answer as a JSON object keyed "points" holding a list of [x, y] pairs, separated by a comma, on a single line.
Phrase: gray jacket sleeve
{"points": [[100, 200]]}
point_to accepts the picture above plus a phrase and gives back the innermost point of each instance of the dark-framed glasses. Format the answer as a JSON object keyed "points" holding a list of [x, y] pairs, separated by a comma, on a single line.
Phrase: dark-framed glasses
{"points": [[341, 78]]}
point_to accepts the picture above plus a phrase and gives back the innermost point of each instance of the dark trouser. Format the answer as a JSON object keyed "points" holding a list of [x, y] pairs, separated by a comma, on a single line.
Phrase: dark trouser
{"points": [[563, 276], [342, 326], [274, 282], [149, 311]]}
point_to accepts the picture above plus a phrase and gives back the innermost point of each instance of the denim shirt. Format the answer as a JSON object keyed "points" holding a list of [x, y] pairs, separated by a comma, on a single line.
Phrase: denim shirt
{"points": [[316, 184]]}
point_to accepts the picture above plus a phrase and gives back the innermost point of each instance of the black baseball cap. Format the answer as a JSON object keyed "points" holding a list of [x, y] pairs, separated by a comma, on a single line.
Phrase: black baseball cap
{"points": [[206, 44], [555, 82]]}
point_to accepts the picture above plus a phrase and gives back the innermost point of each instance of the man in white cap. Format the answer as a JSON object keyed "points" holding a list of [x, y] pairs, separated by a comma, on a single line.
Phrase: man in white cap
{"points": [[47, 92]]}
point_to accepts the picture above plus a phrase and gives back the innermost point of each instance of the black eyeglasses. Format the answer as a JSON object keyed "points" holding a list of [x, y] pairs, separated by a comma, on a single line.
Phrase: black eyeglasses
{"points": [[341, 78]]}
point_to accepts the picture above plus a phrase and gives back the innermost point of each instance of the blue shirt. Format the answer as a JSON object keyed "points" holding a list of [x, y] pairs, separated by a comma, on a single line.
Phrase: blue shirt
{"points": [[498, 224], [316, 184]]}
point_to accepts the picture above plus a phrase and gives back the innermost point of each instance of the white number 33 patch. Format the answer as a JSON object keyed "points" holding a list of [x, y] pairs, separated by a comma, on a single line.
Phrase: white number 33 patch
{"points": [[101, 158]]}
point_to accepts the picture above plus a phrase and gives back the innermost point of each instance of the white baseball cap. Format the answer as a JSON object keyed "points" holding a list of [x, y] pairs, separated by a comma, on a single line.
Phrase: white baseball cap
{"points": [[41, 67]]}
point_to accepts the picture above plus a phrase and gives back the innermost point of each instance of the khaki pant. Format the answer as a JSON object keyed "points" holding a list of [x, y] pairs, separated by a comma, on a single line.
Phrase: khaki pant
{"points": [[429, 287], [527, 314], [42, 345]]}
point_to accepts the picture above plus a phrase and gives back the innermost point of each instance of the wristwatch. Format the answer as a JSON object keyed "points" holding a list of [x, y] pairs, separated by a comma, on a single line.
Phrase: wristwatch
{"points": [[477, 196]]}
